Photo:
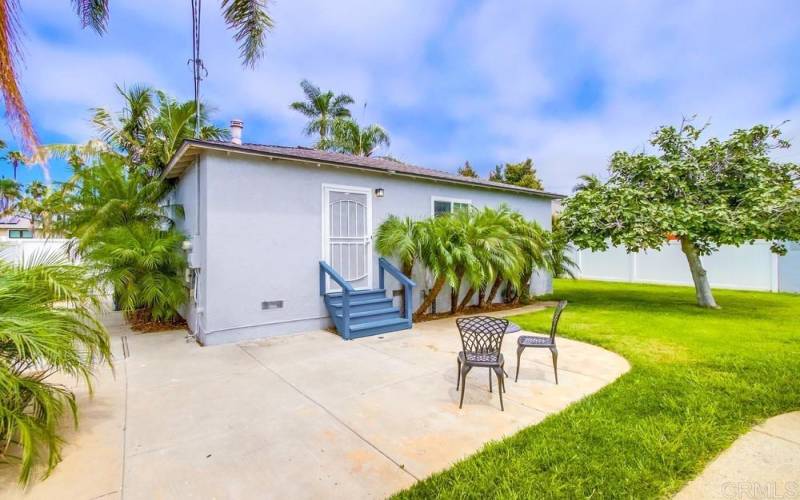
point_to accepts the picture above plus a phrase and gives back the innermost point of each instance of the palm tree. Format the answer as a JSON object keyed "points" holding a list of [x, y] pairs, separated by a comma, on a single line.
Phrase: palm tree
{"points": [[534, 243], [127, 237], [144, 266], [559, 251], [436, 256], [9, 193], [399, 238], [321, 109], [128, 130], [15, 158], [148, 130], [496, 247], [589, 182], [152, 125], [47, 327], [107, 194], [350, 138], [41, 203], [249, 20], [466, 232]]}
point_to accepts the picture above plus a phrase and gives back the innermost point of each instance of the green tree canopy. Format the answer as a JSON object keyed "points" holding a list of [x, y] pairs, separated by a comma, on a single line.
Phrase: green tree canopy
{"points": [[721, 192], [520, 174], [467, 171]]}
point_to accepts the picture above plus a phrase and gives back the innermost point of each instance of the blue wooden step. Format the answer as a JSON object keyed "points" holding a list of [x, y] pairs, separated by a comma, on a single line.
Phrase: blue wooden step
{"points": [[371, 312], [371, 315], [371, 293], [359, 305], [377, 327]]}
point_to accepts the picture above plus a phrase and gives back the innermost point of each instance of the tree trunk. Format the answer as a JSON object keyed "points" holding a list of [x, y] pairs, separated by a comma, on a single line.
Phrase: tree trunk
{"points": [[495, 287], [465, 301], [702, 287], [526, 286], [437, 287], [454, 293], [482, 296]]}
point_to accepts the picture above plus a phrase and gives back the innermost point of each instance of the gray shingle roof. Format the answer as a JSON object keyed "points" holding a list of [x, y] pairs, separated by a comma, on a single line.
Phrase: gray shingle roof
{"points": [[379, 164]]}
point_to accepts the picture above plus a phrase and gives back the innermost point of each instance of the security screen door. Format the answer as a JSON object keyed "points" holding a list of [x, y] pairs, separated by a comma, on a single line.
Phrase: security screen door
{"points": [[348, 234]]}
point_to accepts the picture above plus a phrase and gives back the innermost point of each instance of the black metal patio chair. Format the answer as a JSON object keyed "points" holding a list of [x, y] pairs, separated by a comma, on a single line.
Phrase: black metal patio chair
{"points": [[525, 341], [481, 340]]}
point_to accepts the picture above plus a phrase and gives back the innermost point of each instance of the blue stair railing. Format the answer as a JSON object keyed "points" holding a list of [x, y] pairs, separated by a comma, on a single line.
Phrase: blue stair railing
{"points": [[347, 289], [385, 265]]}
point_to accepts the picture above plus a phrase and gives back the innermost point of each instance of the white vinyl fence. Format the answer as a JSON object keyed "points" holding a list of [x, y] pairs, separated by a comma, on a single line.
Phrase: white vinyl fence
{"points": [[15, 250], [749, 267]]}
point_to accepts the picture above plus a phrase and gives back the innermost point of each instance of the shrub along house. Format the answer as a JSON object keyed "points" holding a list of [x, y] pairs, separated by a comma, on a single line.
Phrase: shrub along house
{"points": [[274, 232]]}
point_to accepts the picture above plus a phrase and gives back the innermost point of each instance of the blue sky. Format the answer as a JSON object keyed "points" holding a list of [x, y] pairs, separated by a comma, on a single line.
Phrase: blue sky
{"points": [[565, 83]]}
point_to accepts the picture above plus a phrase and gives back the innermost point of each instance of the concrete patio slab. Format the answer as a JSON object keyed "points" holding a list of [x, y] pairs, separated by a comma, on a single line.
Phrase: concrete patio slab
{"points": [[764, 463], [300, 416]]}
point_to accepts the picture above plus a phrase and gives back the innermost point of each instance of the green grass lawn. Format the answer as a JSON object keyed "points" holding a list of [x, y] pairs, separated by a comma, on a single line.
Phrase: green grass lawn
{"points": [[699, 379]]}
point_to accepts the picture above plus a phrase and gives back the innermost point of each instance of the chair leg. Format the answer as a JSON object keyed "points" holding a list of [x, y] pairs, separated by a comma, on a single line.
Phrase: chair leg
{"points": [[490, 380], [554, 352], [499, 374], [458, 373], [503, 369], [463, 374], [519, 356]]}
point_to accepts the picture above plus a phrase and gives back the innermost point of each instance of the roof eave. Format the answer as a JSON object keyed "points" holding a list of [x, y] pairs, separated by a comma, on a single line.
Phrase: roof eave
{"points": [[189, 144]]}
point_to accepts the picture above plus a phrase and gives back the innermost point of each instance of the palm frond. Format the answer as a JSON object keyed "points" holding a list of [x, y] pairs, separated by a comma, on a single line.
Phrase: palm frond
{"points": [[251, 23], [15, 110], [92, 13], [47, 326]]}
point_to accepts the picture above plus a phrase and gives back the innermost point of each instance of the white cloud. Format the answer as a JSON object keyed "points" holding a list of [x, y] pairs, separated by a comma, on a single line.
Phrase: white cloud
{"points": [[451, 81]]}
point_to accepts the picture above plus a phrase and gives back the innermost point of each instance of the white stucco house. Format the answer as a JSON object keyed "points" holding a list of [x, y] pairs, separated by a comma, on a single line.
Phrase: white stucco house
{"points": [[280, 238]]}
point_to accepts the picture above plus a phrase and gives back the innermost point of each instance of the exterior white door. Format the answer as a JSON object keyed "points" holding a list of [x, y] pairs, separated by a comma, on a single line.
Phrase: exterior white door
{"points": [[347, 234]]}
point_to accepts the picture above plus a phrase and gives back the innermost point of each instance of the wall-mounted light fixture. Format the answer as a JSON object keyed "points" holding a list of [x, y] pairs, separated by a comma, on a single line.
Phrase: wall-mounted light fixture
{"points": [[379, 192]]}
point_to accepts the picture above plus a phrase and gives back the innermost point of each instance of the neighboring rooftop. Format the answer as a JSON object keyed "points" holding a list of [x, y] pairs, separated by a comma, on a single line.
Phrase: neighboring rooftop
{"points": [[190, 149]]}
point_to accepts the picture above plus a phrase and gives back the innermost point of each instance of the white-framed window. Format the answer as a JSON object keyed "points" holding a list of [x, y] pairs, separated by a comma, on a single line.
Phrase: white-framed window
{"points": [[441, 205], [15, 234]]}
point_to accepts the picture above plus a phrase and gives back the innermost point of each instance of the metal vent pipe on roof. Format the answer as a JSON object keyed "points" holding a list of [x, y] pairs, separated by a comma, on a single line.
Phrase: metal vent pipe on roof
{"points": [[236, 131]]}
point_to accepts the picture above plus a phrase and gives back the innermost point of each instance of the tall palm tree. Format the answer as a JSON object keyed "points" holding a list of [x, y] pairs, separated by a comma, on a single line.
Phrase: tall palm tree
{"points": [[249, 19], [350, 138], [321, 109], [128, 129], [15, 158], [148, 130]]}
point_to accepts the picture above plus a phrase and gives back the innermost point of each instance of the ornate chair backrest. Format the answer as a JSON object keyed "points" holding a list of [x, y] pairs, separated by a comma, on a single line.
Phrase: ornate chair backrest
{"points": [[556, 316], [482, 335]]}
